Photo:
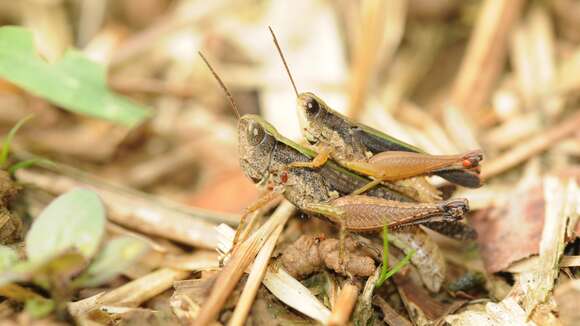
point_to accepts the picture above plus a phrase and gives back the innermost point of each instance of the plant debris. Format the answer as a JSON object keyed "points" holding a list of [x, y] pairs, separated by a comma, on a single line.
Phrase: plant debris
{"points": [[120, 178]]}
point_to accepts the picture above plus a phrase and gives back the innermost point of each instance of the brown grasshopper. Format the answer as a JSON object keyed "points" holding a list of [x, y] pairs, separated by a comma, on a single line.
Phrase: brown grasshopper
{"points": [[373, 153]]}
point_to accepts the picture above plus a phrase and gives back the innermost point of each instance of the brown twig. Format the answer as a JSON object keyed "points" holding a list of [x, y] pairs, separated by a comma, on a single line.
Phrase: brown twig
{"points": [[131, 294], [134, 209], [254, 279], [531, 147]]}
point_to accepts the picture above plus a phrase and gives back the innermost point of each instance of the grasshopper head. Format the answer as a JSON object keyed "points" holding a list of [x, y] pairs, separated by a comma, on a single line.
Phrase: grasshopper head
{"points": [[311, 114], [455, 208], [257, 139]]}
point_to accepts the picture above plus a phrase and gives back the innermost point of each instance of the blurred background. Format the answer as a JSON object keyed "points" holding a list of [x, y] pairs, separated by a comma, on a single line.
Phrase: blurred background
{"points": [[445, 75]]}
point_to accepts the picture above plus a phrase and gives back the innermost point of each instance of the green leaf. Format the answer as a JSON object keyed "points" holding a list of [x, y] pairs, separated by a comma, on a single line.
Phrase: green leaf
{"points": [[8, 139], [74, 220], [117, 256], [75, 83], [8, 257], [62, 265], [39, 308]]}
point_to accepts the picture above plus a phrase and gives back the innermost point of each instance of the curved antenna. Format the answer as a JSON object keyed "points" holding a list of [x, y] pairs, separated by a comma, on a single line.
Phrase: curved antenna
{"points": [[228, 94], [283, 60]]}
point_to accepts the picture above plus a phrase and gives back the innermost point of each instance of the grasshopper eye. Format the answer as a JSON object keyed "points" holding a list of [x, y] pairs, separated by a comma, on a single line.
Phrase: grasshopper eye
{"points": [[255, 133], [312, 106]]}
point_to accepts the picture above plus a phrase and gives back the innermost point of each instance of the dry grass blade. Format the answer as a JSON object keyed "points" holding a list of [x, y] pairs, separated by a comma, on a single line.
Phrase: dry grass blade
{"points": [[486, 54], [255, 279], [460, 128], [131, 294], [282, 285], [198, 261], [411, 65], [373, 44], [570, 261], [413, 115], [532, 147], [241, 259], [295, 295]]}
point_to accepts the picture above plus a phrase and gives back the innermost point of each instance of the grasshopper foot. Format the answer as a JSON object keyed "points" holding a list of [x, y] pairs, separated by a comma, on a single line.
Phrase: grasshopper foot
{"points": [[318, 161]]}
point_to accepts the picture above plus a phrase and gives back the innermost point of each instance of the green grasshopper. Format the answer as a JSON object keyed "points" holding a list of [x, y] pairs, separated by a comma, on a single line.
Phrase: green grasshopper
{"points": [[266, 157], [371, 152]]}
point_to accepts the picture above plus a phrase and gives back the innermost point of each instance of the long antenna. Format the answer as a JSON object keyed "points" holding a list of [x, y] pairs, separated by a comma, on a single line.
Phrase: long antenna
{"points": [[228, 94], [283, 60]]}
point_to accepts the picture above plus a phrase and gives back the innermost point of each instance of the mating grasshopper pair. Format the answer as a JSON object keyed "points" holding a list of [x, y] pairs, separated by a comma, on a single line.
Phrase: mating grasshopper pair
{"points": [[328, 184]]}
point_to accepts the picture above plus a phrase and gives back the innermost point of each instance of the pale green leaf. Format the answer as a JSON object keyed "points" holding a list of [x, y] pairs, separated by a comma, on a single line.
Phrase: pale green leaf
{"points": [[39, 308], [75, 83], [8, 257], [117, 256], [63, 265], [75, 220]]}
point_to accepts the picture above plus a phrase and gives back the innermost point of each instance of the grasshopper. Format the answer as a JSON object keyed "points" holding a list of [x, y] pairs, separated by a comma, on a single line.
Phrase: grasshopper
{"points": [[371, 152], [266, 157]]}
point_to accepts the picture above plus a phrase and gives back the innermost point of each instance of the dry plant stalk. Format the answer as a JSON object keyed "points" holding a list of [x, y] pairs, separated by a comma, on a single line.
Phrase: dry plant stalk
{"points": [[372, 43], [134, 209], [514, 130], [131, 294], [411, 65], [485, 55], [197, 261], [51, 26], [255, 279], [460, 128], [344, 305], [531, 147], [412, 115], [570, 261], [240, 260], [282, 285], [532, 54]]}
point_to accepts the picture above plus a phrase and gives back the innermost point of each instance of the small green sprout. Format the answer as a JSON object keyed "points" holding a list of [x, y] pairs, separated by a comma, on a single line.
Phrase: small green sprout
{"points": [[387, 272], [8, 140], [6, 150]]}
